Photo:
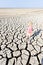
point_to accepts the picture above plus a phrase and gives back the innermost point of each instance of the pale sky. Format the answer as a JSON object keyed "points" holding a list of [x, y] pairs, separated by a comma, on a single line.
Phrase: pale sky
{"points": [[21, 3]]}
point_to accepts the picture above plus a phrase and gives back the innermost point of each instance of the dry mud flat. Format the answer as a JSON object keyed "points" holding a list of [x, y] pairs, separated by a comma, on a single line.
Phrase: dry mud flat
{"points": [[14, 46]]}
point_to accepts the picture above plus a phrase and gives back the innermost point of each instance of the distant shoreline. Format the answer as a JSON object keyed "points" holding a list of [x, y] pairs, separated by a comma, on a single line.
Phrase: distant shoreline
{"points": [[13, 11]]}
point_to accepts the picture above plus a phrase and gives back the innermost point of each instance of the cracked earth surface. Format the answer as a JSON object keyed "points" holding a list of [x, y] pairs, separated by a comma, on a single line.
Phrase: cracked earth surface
{"points": [[15, 48]]}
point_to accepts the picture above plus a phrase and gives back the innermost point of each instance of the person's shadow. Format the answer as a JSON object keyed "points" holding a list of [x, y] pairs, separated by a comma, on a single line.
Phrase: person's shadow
{"points": [[42, 61], [35, 34]]}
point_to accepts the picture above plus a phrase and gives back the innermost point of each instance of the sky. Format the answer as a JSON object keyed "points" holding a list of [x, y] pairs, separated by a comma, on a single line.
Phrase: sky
{"points": [[21, 3]]}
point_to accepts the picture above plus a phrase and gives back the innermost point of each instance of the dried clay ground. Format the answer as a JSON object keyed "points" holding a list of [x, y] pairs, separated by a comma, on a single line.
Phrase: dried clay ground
{"points": [[15, 48]]}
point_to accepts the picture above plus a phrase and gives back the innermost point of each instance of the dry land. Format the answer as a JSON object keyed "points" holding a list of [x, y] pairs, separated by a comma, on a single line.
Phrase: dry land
{"points": [[15, 48]]}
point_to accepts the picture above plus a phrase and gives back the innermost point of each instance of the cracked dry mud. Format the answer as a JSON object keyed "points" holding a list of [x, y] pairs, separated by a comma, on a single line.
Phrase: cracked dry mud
{"points": [[15, 48]]}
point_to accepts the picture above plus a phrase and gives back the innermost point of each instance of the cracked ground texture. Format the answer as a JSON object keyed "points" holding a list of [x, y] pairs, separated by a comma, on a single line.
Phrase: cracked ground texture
{"points": [[15, 48]]}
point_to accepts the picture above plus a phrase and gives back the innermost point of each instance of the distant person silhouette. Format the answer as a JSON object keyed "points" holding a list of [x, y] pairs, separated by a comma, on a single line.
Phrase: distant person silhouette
{"points": [[29, 29]]}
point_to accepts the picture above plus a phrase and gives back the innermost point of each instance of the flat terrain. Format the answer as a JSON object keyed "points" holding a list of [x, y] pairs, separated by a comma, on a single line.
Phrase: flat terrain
{"points": [[15, 48]]}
